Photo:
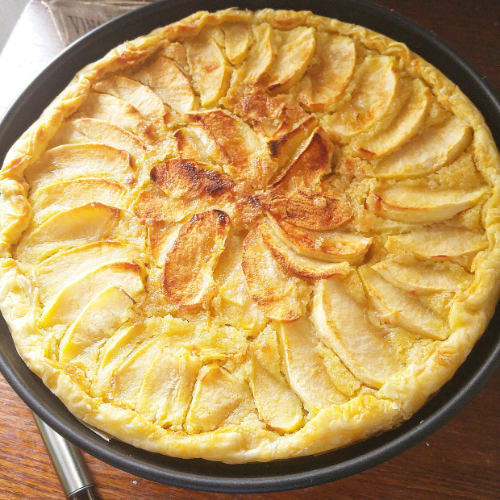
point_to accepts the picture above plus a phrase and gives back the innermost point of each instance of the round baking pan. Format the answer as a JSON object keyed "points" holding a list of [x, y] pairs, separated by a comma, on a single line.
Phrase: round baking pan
{"points": [[278, 475]]}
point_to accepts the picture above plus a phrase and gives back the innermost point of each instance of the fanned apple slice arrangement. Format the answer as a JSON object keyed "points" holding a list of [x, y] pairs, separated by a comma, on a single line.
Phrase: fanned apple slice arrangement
{"points": [[255, 223]]}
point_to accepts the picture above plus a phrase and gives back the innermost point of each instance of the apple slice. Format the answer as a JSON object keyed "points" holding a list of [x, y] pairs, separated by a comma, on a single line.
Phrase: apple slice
{"points": [[74, 161], [401, 309], [68, 229], [142, 98], [306, 208], [439, 243], [188, 272], [312, 163], [374, 94], [296, 50], [99, 320], [166, 391], [328, 76], [208, 67], [116, 111], [169, 82], [277, 292], [305, 368], [433, 148], [54, 273], [343, 326], [217, 394], [303, 267], [237, 41], [409, 112], [416, 203], [190, 145], [235, 147], [331, 246], [425, 278]]}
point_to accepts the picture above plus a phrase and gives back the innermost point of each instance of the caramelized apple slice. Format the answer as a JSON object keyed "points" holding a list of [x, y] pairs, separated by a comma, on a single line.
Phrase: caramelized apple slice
{"points": [[305, 368], [116, 111], [327, 78], [342, 325], [149, 105], [296, 49], [433, 148], [303, 267], [410, 111], [67, 229], [73, 161], [331, 246], [188, 179], [425, 278], [235, 147], [70, 301], [190, 145], [375, 91], [306, 208], [417, 203], [57, 271], [312, 163], [217, 394], [208, 68], [82, 130], [278, 293], [259, 58], [400, 309], [188, 273], [439, 243], [237, 41], [170, 83], [99, 320], [167, 388]]}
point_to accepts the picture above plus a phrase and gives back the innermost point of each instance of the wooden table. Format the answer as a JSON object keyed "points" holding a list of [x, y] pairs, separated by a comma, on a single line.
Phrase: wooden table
{"points": [[460, 461]]}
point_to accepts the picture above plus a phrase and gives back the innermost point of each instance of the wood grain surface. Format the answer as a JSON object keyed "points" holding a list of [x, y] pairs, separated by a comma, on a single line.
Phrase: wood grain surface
{"points": [[460, 461]]}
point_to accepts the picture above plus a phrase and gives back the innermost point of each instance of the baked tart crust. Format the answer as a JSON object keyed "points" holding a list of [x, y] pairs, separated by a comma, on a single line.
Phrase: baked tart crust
{"points": [[251, 236]]}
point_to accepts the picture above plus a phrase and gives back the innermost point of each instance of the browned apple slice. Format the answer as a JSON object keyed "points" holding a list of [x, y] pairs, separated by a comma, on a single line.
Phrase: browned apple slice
{"points": [[425, 278], [84, 130], [416, 203], [343, 326], [190, 145], [235, 147], [116, 111], [189, 179], [208, 67], [439, 243], [70, 301], [166, 391], [433, 148], [402, 123], [217, 394], [170, 83], [305, 368], [304, 267], [401, 309], [331, 246], [237, 40], [73, 161], [327, 78], [68, 229], [312, 163], [149, 105], [55, 272], [99, 320], [307, 209], [188, 272], [277, 292], [372, 97], [296, 50]]}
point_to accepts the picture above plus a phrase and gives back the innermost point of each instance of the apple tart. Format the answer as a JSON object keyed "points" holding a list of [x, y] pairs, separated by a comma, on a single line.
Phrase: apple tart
{"points": [[251, 236]]}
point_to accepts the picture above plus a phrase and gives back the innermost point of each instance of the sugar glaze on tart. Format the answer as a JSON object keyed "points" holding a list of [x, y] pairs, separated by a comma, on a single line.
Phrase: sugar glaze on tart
{"points": [[251, 236]]}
